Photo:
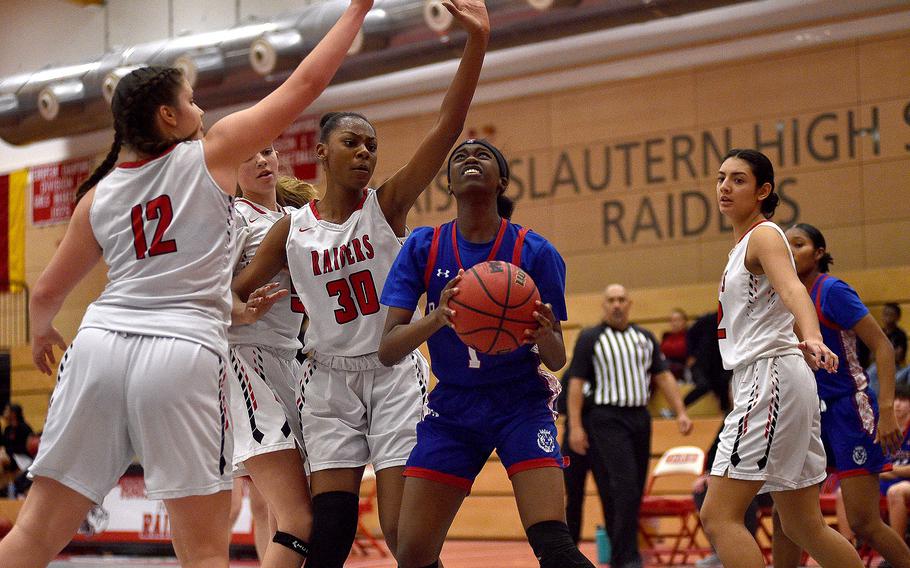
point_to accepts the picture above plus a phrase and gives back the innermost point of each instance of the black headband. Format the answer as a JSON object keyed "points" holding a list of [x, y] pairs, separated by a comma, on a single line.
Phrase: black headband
{"points": [[500, 159]]}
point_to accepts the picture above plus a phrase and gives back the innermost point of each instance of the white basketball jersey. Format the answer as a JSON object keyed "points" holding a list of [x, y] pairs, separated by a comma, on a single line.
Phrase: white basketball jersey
{"points": [[752, 321], [280, 326], [338, 272], [165, 229]]}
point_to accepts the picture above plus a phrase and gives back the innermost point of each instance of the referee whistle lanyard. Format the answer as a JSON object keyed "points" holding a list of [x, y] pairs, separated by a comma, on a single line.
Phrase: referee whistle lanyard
{"points": [[502, 231]]}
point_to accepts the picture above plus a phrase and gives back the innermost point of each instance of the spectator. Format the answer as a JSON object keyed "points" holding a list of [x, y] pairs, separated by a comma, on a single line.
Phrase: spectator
{"points": [[619, 360], [891, 314], [15, 438], [902, 370], [896, 483], [673, 345], [706, 365]]}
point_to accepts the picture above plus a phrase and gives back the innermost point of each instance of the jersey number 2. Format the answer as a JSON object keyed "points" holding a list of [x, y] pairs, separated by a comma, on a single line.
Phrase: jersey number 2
{"points": [[364, 296], [160, 209]]}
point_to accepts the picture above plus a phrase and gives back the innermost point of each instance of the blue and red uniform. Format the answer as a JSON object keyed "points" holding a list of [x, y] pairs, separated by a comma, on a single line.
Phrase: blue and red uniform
{"points": [[482, 402], [849, 407]]}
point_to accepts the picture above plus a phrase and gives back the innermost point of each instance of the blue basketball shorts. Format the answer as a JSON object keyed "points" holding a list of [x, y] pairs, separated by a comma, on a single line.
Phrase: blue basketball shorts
{"points": [[465, 424], [848, 432]]}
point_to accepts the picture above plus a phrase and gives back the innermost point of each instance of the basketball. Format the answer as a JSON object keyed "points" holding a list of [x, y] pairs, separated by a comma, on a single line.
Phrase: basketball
{"points": [[494, 306]]}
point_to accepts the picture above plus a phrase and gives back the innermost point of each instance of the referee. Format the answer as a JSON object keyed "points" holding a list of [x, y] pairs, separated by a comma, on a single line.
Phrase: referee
{"points": [[619, 360]]}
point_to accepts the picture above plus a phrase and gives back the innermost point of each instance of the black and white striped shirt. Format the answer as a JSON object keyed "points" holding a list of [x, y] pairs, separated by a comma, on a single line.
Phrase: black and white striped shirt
{"points": [[618, 364]]}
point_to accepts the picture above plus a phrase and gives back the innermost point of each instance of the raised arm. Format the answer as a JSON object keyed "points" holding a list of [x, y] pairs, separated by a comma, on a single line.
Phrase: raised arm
{"points": [[270, 258], [238, 136], [770, 254], [77, 254], [398, 194]]}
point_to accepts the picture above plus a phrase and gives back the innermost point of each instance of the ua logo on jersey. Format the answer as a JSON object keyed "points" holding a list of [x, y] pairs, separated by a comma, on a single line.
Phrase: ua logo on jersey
{"points": [[442, 273]]}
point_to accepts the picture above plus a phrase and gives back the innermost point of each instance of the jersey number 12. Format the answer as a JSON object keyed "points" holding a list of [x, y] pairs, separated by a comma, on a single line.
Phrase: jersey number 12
{"points": [[157, 209]]}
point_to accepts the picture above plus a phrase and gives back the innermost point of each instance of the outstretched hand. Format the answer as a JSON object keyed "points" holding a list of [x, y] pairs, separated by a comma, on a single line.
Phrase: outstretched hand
{"points": [[43, 350], [471, 15], [260, 302]]}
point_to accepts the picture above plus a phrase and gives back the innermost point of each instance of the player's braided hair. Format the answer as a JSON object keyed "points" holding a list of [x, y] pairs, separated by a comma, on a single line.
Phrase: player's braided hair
{"points": [[134, 105]]}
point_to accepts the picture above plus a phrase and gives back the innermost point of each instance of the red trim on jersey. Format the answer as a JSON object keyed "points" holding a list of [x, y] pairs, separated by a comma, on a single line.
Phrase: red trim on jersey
{"points": [[431, 259], [750, 229], [439, 477], [816, 293], [139, 163], [256, 207], [862, 471], [502, 231], [537, 463], [519, 243], [358, 208]]}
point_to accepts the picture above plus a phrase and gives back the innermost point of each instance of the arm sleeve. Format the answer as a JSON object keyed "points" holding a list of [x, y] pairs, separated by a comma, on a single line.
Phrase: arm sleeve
{"points": [[582, 365], [404, 285], [548, 269], [843, 306]]}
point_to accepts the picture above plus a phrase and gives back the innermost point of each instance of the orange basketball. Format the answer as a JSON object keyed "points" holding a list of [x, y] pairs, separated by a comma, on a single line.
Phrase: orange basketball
{"points": [[494, 306]]}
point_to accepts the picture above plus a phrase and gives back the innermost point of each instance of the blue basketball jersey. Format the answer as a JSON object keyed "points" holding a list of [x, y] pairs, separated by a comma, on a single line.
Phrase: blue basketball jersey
{"points": [[839, 309], [432, 256]]}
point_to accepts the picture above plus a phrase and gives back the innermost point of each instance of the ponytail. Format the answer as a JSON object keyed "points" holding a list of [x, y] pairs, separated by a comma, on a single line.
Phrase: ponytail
{"points": [[290, 191], [504, 206], [103, 168]]}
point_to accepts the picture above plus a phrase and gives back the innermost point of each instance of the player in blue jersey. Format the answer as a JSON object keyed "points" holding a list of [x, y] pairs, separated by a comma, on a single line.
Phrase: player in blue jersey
{"points": [[856, 429], [482, 402]]}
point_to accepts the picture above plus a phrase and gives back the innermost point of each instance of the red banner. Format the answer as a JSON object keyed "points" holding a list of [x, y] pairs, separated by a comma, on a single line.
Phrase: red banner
{"points": [[54, 189], [297, 148]]}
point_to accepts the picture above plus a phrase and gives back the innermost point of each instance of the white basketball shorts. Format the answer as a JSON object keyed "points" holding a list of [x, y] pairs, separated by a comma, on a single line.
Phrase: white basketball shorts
{"points": [[355, 411], [264, 392], [120, 395], [773, 433]]}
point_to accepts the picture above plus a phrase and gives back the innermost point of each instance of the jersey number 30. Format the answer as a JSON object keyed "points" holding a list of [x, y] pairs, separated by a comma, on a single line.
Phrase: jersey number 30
{"points": [[160, 209], [364, 296]]}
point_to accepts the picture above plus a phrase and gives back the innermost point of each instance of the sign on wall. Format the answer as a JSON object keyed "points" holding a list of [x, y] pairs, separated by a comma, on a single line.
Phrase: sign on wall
{"points": [[54, 189]]}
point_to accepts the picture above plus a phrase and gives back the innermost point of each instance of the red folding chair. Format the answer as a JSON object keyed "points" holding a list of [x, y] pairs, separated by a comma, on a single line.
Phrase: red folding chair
{"points": [[681, 460]]}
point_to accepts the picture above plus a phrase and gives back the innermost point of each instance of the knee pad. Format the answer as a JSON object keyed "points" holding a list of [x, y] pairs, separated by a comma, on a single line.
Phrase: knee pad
{"points": [[334, 527], [287, 540], [553, 546]]}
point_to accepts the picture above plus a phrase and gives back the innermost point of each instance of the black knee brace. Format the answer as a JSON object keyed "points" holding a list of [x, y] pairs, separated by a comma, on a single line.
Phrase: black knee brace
{"points": [[334, 528], [298, 545], [553, 546]]}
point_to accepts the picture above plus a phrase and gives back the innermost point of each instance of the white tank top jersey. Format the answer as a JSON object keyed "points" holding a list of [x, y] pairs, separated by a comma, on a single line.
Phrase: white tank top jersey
{"points": [[280, 326], [752, 321], [165, 229], [338, 272]]}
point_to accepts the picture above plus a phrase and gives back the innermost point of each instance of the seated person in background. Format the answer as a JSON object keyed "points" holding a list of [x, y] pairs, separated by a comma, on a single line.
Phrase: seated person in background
{"points": [[902, 370], [896, 483], [707, 368], [15, 438], [673, 346]]}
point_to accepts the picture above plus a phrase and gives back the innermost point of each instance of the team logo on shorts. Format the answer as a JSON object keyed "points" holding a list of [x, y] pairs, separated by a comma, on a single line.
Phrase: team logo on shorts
{"points": [[545, 440], [859, 455]]}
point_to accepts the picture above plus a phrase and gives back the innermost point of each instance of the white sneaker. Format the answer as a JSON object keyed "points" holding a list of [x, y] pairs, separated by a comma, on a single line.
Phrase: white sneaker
{"points": [[711, 561]]}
